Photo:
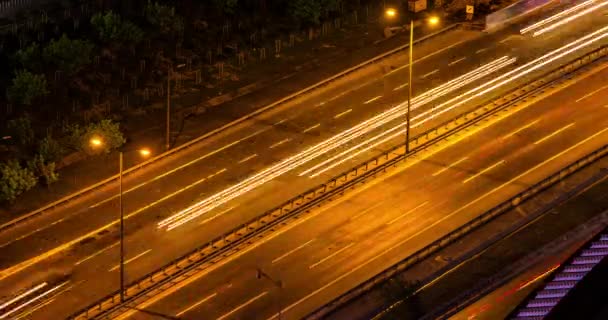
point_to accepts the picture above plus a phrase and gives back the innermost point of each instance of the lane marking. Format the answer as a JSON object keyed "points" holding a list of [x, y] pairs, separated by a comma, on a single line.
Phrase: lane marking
{"points": [[292, 251], [372, 99], [407, 212], [553, 134], [591, 93], [428, 56], [360, 266], [342, 114], [521, 129], [217, 215], [215, 174], [456, 61], [131, 260], [367, 210], [504, 40], [97, 253], [181, 167], [279, 143], [481, 50], [483, 171], [330, 256], [429, 74], [401, 86], [280, 121], [205, 299], [243, 305], [248, 158], [449, 166], [311, 128]]}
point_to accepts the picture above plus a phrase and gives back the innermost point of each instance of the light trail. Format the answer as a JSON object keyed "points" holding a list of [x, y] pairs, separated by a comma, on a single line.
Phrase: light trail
{"points": [[322, 148], [570, 18], [556, 16], [424, 117], [36, 298]]}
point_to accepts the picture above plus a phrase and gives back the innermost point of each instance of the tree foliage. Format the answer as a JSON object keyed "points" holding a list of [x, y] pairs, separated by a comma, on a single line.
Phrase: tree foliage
{"points": [[26, 87], [226, 6], [28, 57], [164, 17], [110, 27], [50, 149], [106, 130], [68, 55], [21, 131], [14, 180], [310, 12]]}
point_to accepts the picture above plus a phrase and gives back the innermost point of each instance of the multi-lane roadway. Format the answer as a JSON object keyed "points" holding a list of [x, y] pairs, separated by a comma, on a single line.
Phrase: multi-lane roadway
{"points": [[247, 169]]}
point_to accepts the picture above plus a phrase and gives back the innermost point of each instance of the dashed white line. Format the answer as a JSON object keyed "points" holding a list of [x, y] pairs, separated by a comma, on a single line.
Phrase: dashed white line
{"points": [[243, 305], [456, 61], [372, 99], [132, 259], [429, 74], [292, 251], [401, 86], [215, 174], [330, 256], [281, 121], [450, 166], [97, 253], [483, 171], [481, 50], [504, 40], [343, 113], [408, 212], [311, 128], [279, 143], [554, 133], [217, 215], [248, 158], [521, 129], [591, 93], [196, 304]]}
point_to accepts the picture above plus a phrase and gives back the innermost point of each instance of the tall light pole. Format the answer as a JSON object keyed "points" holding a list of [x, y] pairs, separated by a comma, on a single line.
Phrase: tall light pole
{"points": [[391, 13], [97, 142], [278, 283], [168, 124]]}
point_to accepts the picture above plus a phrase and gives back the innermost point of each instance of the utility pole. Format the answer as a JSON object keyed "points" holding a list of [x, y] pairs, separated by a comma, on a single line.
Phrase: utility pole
{"points": [[168, 125], [122, 231], [409, 88]]}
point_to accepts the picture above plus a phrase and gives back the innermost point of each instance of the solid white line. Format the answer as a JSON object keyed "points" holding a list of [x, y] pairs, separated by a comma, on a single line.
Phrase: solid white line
{"points": [[448, 167], [311, 128], [407, 212], [196, 304], [401, 87], [279, 143], [132, 259], [330, 256], [372, 99], [248, 158], [292, 251], [456, 61], [481, 50], [429, 74], [521, 129], [243, 305], [343, 113], [591, 93], [483, 171], [553, 134], [95, 254]]}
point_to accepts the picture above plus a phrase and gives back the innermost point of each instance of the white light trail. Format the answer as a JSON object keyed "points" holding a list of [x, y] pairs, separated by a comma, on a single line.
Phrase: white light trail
{"points": [[46, 293], [21, 296], [570, 18], [424, 117], [322, 148], [557, 16]]}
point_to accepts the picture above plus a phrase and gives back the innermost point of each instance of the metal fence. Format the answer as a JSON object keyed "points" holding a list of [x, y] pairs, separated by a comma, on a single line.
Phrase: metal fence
{"points": [[262, 226]]}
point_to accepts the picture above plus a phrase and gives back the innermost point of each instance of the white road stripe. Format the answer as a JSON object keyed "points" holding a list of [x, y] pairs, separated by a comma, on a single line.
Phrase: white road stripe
{"points": [[401, 86], [448, 167], [343, 113], [248, 158], [292, 251], [279, 143], [132, 259], [243, 305], [196, 304], [483, 171], [330, 256], [456, 61], [591, 93], [372, 99], [97, 253], [311, 128], [429, 74], [553, 134], [407, 212]]}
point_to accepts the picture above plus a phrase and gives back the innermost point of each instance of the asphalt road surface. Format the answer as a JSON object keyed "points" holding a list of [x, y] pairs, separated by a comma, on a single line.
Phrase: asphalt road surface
{"points": [[79, 240]]}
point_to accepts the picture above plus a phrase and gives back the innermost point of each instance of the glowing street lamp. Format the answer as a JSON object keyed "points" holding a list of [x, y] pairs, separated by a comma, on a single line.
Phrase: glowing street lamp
{"points": [[144, 152], [390, 12], [95, 142], [433, 20]]}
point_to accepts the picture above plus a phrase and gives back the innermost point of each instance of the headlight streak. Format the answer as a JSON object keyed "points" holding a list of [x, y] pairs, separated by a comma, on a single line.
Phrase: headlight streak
{"points": [[317, 150], [556, 16], [570, 18], [536, 63], [36, 298], [335, 160]]}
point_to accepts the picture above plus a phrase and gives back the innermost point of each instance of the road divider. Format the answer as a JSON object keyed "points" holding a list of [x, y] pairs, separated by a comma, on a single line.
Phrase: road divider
{"points": [[113, 179], [261, 227]]}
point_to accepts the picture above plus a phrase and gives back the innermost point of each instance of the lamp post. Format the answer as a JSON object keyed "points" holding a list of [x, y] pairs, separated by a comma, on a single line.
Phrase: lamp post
{"points": [[168, 125], [391, 13], [97, 142], [278, 283]]}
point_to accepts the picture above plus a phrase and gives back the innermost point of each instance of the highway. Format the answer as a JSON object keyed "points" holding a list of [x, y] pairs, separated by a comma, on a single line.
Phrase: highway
{"points": [[357, 236], [73, 241]]}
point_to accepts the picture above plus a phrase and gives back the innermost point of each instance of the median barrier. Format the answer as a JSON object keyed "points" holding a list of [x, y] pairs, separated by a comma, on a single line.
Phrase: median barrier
{"points": [[190, 143], [241, 237]]}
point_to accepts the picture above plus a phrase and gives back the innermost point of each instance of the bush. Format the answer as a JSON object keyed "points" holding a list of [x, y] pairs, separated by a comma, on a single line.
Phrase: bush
{"points": [[14, 180], [26, 87], [21, 131], [110, 27], [50, 149], [43, 169]]}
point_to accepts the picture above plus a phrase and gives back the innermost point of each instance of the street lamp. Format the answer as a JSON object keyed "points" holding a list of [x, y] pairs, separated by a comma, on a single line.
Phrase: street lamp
{"points": [[277, 283], [168, 125], [96, 142], [390, 13]]}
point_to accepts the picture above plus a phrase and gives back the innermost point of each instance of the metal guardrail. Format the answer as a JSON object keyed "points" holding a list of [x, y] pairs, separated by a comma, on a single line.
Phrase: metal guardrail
{"points": [[189, 144], [242, 236]]}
